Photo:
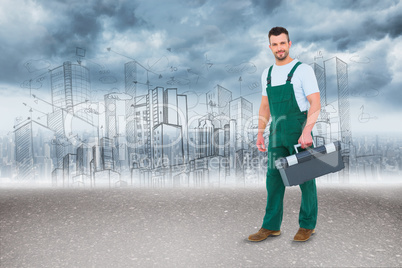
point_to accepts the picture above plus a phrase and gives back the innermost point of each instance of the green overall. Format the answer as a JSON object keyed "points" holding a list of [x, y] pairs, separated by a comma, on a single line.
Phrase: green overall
{"points": [[285, 130]]}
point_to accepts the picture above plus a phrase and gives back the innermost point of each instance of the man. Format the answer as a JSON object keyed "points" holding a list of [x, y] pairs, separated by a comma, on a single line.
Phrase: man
{"points": [[292, 98]]}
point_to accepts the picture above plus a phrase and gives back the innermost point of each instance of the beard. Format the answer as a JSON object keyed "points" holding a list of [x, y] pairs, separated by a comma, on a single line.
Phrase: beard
{"points": [[284, 55]]}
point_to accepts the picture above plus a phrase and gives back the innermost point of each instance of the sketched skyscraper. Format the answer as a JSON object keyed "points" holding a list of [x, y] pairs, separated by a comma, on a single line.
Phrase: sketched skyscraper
{"points": [[130, 79], [141, 142], [71, 89], [218, 103], [169, 126], [241, 110], [116, 124], [337, 92], [84, 158], [32, 160], [24, 152], [323, 119]]}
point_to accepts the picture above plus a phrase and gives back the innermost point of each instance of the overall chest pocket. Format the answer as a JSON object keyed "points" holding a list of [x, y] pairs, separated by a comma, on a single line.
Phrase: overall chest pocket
{"points": [[278, 97], [280, 94]]}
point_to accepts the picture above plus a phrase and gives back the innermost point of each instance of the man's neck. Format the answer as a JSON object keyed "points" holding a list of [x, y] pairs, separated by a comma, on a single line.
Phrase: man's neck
{"points": [[284, 61]]}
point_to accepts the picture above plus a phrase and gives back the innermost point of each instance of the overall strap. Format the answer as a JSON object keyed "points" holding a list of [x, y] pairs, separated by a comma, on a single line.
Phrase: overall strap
{"points": [[290, 75], [269, 76]]}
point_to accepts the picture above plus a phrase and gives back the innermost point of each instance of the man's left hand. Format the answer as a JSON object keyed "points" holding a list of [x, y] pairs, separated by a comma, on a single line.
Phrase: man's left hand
{"points": [[306, 140]]}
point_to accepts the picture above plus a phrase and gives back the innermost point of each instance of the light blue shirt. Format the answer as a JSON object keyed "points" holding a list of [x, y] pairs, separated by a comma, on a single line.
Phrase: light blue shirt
{"points": [[303, 80]]}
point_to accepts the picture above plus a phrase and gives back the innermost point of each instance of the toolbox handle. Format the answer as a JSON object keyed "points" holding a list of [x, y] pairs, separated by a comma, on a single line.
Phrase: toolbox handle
{"points": [[298, 145]]}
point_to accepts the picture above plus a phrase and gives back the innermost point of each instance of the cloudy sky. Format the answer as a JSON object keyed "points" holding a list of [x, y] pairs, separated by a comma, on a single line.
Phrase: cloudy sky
{"points": [[196, 44]]}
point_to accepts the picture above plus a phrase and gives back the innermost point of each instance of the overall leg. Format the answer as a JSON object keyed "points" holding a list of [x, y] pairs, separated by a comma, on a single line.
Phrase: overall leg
{"points": [[275, 190], [308, 208]]}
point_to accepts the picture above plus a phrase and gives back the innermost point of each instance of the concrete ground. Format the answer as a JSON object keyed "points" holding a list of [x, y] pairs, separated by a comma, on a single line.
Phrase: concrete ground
{"points": [[358, 226]]}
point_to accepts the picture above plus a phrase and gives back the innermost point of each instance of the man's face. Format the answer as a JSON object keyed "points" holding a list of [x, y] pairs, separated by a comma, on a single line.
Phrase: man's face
{"points": [[280, 46]]}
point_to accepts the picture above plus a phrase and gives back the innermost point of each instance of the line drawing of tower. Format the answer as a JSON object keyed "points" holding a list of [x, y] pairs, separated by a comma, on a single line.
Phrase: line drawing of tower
{"points": [[110, 117], [70, 89], [336, 84], [69, 169], [155, 116], [130, 79], [241, 110], [104, 164], [218, 101], [84, 158], [116, 124], [32, 160], [70, 92], [24, 152], [170, 136], [323, 119], [344, 113], [141, 154]]}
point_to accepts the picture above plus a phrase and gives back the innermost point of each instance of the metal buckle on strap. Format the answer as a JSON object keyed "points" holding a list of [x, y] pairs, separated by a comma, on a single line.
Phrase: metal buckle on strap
{"points": [[268, 81], [289, 78]]}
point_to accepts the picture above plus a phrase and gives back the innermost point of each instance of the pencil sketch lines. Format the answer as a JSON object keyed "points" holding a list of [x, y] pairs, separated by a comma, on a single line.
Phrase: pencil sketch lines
{"points": [[36, 65], [245, 67]]}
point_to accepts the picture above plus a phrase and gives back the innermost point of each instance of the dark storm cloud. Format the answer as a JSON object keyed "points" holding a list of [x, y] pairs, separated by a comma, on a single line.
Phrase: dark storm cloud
{"points": [[339, 27], [78, 28], [84, 25], [360, 5], [266, 7], [196, 31], [61, 27], [193, 3], [392, 26], [123, 16]]}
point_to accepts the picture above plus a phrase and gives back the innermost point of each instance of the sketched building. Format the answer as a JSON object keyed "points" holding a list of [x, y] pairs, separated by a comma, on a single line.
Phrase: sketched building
{"points": [[70, 88], [205, 138], [141, 142], [170, 133], [70, 170], [107, 149], [168, 146], [83, 162], [337, 94], [155, 114], [70, 132], [32, 154], [230, 147], [160, 132], [130, 79], [241, 110], [103, 164], [218, 101], [70, 92], [168, 107], [210, 136], [116, 127], [322, 123]]}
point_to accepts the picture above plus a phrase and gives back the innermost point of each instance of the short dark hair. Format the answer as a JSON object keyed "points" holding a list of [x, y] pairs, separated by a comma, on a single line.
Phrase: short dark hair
{"points": [[277, 31]]}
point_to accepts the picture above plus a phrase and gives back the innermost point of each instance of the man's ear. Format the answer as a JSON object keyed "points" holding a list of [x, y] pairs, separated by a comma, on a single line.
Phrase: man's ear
{"points": [[290, 43]]}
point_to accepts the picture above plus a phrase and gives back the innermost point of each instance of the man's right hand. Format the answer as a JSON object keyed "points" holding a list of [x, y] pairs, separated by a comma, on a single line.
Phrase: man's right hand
{"points": [[261, 143]]}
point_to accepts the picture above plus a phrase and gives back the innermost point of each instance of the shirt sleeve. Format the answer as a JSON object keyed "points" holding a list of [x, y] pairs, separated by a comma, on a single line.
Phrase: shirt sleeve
{"points": [[309, 81], [264, 82]]}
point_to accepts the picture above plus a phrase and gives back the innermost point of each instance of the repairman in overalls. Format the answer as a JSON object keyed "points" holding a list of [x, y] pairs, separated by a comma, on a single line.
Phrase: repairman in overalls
{"points": [[292, 98]]}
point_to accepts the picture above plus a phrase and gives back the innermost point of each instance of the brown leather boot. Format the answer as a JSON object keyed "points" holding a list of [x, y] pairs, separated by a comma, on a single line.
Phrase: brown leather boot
{"points": [[262, 234], [303, 234]]}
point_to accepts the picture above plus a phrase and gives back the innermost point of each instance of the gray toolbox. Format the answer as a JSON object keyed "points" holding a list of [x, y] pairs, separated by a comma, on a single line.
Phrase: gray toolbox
{"points": [[309, 164]]}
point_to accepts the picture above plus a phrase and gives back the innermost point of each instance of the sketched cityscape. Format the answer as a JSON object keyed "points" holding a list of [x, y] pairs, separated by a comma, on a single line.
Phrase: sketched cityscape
{"points": [[148, 139]]}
